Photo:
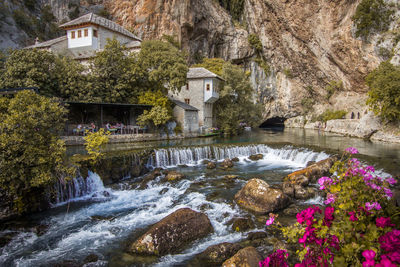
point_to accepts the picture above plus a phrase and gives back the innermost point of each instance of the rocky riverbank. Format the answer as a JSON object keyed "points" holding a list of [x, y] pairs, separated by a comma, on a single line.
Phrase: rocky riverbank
{"points": [[367, 127]]}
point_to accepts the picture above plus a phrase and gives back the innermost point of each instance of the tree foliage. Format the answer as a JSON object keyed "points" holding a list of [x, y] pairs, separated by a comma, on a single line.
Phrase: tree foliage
{"points": [[54, 75], [31, 152], [235, 105], [384, 91], [156, 117], [94, 142], [113, 74], [371, 15], [164, 64], [234, 7], [214, 65]]}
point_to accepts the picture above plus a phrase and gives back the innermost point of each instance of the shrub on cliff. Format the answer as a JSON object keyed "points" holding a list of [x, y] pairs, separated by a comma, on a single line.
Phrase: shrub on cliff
{"points": [[357, 227], [31, 152], [384, 91], [371, 15]]}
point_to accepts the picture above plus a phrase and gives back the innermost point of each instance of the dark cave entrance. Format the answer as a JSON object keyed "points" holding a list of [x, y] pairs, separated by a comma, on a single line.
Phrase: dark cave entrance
{"points": [[274, 122]]}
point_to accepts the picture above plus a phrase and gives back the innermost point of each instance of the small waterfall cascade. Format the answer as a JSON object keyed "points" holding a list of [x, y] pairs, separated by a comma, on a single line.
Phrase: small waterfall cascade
{"points": [[193, 155], [79, 188]]}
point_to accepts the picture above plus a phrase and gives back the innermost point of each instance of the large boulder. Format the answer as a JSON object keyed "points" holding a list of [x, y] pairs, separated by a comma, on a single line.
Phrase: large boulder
{"points": [[211, 165], [259, 197], [174, 176], [227, 163], [215, 255], [293, 184], [256, 157], [172, 233], [246, 257]]}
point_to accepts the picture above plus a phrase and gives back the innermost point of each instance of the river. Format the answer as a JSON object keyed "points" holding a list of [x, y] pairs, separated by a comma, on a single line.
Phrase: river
{"points": [[104, 220]]}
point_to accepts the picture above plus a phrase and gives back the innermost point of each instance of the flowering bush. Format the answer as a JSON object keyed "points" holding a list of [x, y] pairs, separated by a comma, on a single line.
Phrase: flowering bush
{"points": [[357, 227]]}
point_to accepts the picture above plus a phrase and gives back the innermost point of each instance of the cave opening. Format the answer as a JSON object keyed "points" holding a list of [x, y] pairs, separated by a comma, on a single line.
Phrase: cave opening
{"points": [[274, 122]]}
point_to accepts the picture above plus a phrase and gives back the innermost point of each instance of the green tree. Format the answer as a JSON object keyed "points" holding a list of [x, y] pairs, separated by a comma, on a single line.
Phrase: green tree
{"points": [[30, 67], [72, 82], [94, 142], [214, 65], [156, 98], [116, 76], [157, 117], [160, 113], [31, 152], [111, 73], [235, 104], [54, 75], [384, 91], [165, 66], [371, 15]]}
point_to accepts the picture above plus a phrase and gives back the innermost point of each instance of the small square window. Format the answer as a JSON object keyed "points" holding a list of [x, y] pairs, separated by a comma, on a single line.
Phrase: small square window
{"points": [[79, 33], [86, 32], [95, 33], [187, 101], [208, 87], [73, 35], [187, 86]]}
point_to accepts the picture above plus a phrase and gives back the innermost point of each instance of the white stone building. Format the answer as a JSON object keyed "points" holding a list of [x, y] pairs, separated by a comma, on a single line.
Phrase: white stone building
{"points": [[87, 35], [200, 92]]}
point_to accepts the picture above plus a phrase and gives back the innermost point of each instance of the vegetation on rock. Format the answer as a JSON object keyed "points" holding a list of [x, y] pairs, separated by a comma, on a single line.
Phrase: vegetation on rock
{"points": [[234, 7], [255, 42], [333, 87], [371, 16], [31, 152], [384, 91], [328, 115]]}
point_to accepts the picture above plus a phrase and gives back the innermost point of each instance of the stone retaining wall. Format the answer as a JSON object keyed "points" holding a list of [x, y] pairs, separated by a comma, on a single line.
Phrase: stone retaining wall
{"points": [[127, 138]]}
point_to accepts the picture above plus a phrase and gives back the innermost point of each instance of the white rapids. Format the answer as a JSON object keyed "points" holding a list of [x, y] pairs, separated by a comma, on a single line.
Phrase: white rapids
{"points": [[103, 225]]}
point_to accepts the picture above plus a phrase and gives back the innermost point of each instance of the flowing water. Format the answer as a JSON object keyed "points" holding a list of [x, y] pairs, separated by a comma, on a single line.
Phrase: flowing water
{"points": [[89, 218]]}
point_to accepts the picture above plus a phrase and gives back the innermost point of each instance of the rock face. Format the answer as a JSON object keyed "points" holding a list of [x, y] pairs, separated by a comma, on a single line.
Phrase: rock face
{"points": [[294, 184], [173, 232], [217, 254], [259, 197], [246, 257]]}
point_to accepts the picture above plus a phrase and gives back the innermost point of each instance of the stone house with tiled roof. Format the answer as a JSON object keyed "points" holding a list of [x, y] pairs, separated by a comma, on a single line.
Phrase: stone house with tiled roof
{"points": [[200, 92], [88, 34]]}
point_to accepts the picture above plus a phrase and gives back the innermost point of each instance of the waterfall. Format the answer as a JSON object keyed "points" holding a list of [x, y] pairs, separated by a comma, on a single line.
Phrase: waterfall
{"points": [[79, 188], [194, 155]]}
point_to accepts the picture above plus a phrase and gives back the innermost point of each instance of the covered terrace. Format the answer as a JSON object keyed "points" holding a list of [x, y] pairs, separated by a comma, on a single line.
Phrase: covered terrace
{"points": [[117, 118]]}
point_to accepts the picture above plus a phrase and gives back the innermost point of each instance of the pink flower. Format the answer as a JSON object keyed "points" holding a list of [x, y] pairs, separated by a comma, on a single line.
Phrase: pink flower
{"points": [[370, 168], [388, 192], [330, 199], [384, 222], [353, 216], [270, 220], [323, 181], [391, 180], [351, 150], [374, 205], [385, 263], [369, 255]]}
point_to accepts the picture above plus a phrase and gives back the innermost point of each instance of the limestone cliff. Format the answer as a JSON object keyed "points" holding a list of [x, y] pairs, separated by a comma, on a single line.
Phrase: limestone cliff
{"points": [[306, 44]]}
